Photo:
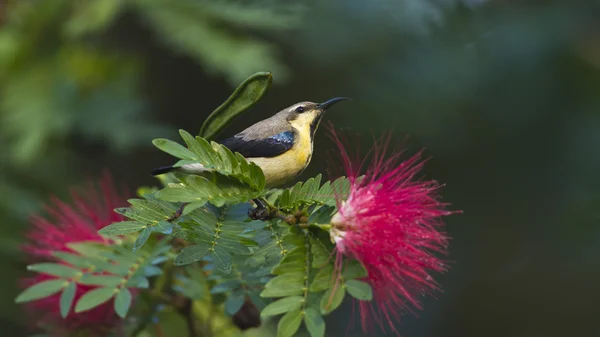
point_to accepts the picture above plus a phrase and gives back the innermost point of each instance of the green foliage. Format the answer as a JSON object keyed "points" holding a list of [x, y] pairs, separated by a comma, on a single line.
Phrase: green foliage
{"points": [[359, 290], [312, 192], [283, 269], [222, 258], [216, 234], [192, 284], [283, 305], [230, 177], [123, 302], [243, 98], [198, 29], [67, 82], [301, 277], [332, 299], [41, 290], [314, 323], [289, 323], [114, 269], [94, 298]]}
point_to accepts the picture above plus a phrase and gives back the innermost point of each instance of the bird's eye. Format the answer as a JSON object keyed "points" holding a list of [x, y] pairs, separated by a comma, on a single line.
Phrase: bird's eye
{"points": [[300, 109]]}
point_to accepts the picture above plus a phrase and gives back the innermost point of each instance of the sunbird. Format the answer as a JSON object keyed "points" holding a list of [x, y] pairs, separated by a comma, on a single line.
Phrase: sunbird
{"points": [[281, 145]]}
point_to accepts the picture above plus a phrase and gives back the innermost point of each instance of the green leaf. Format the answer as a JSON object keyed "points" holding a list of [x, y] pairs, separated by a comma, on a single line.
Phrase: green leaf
{"points": [[332, 299], [221, 258], [150, 271], [55, 269], [234, 303], [282, 305], [322, 215], [94, 298], [314, 323], [359, 290], [123, 227], [123, 302], [284, 285], [73, 259], [66, 299], [292, 261], [41, 290], [225, 286], [232, 178], [191, 254], [309, 193], [180, 193], [220, 190], [100, 280], [164, 227], [88, 248], [289, 323], [142, 238], [244, 97], [95, 16], [354, 269], [138, 282], [321, 254], [173, 148], [324, 279]]}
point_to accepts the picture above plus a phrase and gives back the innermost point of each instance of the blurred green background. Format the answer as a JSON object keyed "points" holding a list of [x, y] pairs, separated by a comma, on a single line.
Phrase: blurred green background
{"points": [[504, 95]]}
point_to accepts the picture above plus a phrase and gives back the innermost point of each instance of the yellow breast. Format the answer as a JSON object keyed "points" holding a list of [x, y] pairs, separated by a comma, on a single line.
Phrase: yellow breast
{"points": [[285, 167]]}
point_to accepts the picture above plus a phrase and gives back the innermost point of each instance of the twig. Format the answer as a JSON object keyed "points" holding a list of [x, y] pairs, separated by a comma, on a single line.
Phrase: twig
{"points": [[188, 312], [177, 213]]}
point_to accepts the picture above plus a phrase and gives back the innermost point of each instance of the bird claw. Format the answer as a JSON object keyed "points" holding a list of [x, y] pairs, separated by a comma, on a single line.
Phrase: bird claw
{"points": [[259, 213]]}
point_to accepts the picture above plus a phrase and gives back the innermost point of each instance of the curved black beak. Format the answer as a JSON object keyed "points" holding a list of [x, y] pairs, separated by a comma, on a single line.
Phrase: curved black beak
{"points": [[325, 105]]}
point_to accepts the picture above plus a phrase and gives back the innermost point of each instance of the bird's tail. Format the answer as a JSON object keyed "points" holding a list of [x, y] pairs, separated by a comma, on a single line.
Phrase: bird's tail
{"points": [[162, 170]]}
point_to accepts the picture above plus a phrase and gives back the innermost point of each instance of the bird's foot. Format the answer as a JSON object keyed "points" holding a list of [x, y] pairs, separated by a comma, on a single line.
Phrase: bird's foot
{"points": [[261, 212]]}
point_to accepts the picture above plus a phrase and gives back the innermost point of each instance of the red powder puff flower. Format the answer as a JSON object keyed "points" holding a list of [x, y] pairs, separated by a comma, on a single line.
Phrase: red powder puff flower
{"points": [[91, 210], [390, 222]]}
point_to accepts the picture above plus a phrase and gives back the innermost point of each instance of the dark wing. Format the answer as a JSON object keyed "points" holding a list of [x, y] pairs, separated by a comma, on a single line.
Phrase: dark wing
{"points": [[255, 148]]}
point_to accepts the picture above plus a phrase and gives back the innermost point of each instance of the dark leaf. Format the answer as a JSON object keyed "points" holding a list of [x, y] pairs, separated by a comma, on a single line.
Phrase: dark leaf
{"points": [[234, 303], [192, 254], [244, 97], [225, 286]]}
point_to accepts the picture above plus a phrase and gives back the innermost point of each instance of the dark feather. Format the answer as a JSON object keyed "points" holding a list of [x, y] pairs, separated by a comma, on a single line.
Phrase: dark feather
{"points": [[255, 148], [162, 170]]}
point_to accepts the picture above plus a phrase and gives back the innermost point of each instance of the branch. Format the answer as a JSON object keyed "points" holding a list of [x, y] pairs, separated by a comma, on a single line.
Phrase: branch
{"points": [[187, 310]]}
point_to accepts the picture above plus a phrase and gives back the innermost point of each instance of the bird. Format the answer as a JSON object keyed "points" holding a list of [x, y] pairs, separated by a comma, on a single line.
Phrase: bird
{"points": [[281, 145]]}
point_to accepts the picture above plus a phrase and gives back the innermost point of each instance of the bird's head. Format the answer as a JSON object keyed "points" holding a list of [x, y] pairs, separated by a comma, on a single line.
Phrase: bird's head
{"points": [[307, 115]]}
